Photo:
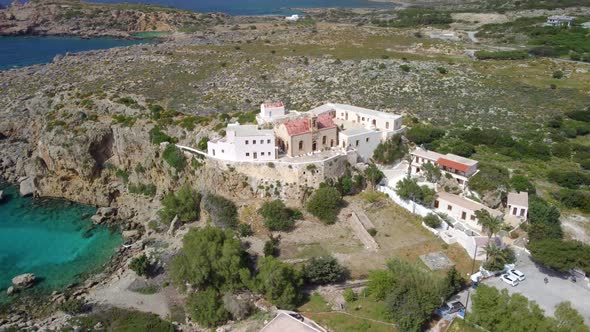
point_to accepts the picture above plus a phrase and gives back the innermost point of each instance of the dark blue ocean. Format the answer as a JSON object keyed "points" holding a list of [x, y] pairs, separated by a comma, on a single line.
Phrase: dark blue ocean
{"points": [[252, 7]]}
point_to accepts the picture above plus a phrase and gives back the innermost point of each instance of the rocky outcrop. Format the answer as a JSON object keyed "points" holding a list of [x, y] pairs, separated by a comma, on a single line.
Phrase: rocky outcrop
{"points": [[27, 186], [24, 281], [96, 20]]}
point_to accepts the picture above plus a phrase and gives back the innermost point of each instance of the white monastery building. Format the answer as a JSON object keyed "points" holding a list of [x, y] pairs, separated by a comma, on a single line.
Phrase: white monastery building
{"points": [[244, 143], [462, 209], [460, 168], [518, 207], [270, 112]]}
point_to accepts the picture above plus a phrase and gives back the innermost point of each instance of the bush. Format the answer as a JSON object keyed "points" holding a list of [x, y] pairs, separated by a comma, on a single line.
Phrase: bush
{"points": [[389, 151], [569, 179], [372, 231], [561, 150], [442, 70], [423, 134], [245, 230], [115, 319], [490, 178], [271, 247], [174, 157], [558, 74], [521, 183], [543, 220], [222, 211], [561, 255], [73, 306], [324, 270], [184, 204], [206, 308], [325, 204], [432, 220], [349, 295], [277, 217], [143, 189], [157, 136], [575, 199], [501, 55], [279, 282], [210, 258], [140, 265], [405, 68], [202, 145]]}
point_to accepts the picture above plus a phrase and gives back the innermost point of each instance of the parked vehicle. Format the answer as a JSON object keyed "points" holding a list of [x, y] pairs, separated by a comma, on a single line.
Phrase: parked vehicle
{"points": [[449, 308], [509, 279], [519, 275]]}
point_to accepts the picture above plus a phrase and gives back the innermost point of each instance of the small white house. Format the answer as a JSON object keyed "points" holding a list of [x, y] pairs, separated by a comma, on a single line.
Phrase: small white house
{"points": [[244, 143], [460, 168], [518, 205], [560, 21], [270, 112], [462, 209], [293, 18], [364, 140]]}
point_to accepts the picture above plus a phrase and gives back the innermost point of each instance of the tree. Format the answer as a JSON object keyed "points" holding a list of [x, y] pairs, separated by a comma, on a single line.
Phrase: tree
{"points": [[277, 217], [174, 157], [409, 189], [325, 204], [373, 175], [324, 270], [210, 258], [492, 252], [432, 172], [140, 265], [271, 247], [543, 220], [279, 282], [222, 211], [431, 220], [454, 282], [422, 134], [184, 204], [569, 319], [561, 255], [206, 308], [489, 223], [389, 151], [521, 183], [490, 178]]}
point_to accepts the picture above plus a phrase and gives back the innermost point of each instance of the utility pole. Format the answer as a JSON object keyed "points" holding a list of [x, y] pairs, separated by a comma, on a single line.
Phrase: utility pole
{"points": [[469, 289]]}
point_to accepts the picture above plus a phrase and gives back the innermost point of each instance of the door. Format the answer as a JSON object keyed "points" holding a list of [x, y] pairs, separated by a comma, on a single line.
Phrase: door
{"points": [[255, 155]]}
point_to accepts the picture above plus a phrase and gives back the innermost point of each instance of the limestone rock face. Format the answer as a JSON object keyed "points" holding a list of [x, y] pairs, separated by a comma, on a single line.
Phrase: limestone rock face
{"points": [[27, 187], [10, 290], [24, 281]]}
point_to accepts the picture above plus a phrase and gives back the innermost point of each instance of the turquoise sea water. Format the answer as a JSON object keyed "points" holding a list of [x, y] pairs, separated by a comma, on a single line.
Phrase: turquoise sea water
{"points": [[54, 239], [25, 51]]}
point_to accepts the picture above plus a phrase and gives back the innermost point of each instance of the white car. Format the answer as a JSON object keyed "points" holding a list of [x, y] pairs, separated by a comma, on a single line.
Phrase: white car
{"points": [[515, 273], [509, 279]]}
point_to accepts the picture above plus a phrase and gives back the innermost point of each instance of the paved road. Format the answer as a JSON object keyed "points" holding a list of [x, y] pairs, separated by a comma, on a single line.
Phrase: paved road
{"points": [[547, 296]]}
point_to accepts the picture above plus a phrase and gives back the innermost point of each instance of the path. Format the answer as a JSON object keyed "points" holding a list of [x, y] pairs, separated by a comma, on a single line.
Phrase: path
{"points": [[471, 35], [117, 294], [351, 315]]}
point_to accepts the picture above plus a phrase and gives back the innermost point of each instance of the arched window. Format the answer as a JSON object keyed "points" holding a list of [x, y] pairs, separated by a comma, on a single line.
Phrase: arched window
{"points": [[300, 145]]}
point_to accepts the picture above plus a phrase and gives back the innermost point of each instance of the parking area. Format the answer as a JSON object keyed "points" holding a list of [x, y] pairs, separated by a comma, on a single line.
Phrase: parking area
{"points": [[558, 289]]}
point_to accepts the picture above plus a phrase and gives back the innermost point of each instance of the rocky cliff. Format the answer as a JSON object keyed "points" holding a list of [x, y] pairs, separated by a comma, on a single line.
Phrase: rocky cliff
{"points": [[70, 17]]}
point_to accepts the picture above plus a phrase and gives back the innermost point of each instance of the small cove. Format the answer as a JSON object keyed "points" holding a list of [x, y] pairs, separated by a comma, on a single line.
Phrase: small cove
{"points": [[52, 238]]}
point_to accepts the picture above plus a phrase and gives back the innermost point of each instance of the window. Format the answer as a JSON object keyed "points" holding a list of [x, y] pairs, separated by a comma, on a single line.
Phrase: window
{"points": [[324, 139], [367, 140], [247, 154], [300, 145], [436, 204], [246, 142], [255, 155], [261, 141], [331, 143], [363, 118], [268, 141], [213, 151], [463, 215], [253, 141], [387, 125], [472, 218], [357, 142], [449, 207], [262, 153], [222, 151]]}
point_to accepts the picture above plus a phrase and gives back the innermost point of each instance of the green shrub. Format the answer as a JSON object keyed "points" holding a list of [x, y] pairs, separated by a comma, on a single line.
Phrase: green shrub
{"points": [[325, 204], [521, 183], [184, 204], [501, 55], [415, 17], [442, 70], [372, 231], [140, 265], [324, 270], [569, 179], [432, 220], [405, 68], [157, 136], [277, 217], [73, 306], [202, 145], [422, 134], [489, 178], [575, 199], [123, 120], [115, 319], [558, 74], [349, 295], [271, 246], [279, 282], [222, 211], [123, 175], [127, 101], [561, 255], [245, 230], [206, 308], [174, 157], [148, 190], [389, 151]]}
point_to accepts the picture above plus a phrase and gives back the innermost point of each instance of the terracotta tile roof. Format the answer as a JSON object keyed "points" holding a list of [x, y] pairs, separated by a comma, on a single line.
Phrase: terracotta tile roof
{"points": [[452, 164], [301, 126]]}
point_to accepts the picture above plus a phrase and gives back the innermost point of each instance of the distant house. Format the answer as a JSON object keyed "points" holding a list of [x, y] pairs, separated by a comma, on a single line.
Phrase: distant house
{"points": [[560, 21], [462, 209], [243, 143], [270, 112], [518, 207], [312, 133], [293, 18], [460, 168]]}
